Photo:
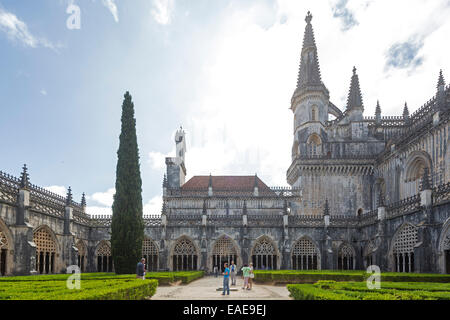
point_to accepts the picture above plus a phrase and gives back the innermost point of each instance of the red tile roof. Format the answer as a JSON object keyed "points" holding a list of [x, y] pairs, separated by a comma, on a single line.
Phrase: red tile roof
{"points": [[225, 183]]}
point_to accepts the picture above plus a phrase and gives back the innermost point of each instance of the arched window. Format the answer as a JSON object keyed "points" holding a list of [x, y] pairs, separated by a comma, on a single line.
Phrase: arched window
{"points": [[82, 254], [346, 257], [184, 256], [314, 115], [369, 254], [104, 258], [264, 255], [45, 251], [150, 254], [305, 255], [415, 167], [3, 253], [403, 249], [223, 251], [314, 145]]}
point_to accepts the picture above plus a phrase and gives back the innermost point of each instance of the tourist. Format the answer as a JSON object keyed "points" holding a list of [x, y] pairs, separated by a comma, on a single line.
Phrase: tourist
{"points": [[226, 279], [216, 271], [246, 274], [251, 276], [233, 272], [140, 269]]}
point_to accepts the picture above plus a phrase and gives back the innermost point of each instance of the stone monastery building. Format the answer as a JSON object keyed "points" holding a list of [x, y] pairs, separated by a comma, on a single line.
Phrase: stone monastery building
{"points": [[363, 191]]}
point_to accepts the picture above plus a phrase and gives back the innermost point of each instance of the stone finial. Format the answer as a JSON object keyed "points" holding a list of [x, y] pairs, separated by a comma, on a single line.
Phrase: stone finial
{"points": [[354, 99], [326, 209], [285, 207], [83, 200], [308, 17], [406, 112], [210, 181], [24, 178], [425, 180], [69, 197], [381, 202], [441, 81], [378, 113]]}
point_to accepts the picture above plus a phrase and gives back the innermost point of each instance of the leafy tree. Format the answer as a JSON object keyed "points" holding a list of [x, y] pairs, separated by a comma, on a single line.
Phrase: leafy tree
{"points": [[127, 226]]}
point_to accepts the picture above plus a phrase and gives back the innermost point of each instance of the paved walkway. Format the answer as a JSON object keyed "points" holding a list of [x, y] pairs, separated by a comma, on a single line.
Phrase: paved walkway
{"points": [[205, 289]]}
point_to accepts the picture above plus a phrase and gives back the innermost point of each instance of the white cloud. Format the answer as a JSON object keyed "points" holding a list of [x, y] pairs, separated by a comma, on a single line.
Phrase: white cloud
{"points": [[157, 160], [153, 206], [162, 11], [43, 92], [17, 30], [104, 198], [59, 190], [112, 7]]}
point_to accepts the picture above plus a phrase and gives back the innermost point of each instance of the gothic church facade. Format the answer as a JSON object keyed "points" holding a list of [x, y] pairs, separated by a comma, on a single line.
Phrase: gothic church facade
{"points": [[363, 191]]}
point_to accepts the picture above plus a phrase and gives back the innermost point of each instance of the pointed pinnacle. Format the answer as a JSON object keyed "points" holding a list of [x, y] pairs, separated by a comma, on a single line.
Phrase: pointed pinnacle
{"points": [[406, 111], [69, 197], [354, 99], [24, 177], [441, 81], [378, 108], [83, 200], [308, 18]]}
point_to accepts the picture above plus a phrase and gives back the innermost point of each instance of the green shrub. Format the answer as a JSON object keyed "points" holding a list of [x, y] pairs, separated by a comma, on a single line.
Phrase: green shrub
{"points": [[116, 289], [331, 290]]}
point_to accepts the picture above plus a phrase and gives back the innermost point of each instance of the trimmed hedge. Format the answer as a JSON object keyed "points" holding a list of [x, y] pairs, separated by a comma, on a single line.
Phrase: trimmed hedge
{"points": [[112, 289], [312, 276], [164, 278], [332, 290]]}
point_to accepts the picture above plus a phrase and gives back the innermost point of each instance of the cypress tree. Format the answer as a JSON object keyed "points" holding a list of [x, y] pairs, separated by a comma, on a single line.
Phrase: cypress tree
{"points": [[127, 226]]}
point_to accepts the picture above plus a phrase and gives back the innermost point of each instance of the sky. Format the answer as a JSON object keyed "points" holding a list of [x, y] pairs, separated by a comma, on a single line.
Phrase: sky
{"points": [[224, 70]]}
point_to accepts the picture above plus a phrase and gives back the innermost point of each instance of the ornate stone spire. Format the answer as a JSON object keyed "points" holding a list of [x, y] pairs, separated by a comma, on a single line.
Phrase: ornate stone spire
{"points": [[406, 113], [441, 81], [425, 180], [354, 100], [378, 113], [24, 178], [309, 73], [69, 197], [165, 181], [83, 200]]}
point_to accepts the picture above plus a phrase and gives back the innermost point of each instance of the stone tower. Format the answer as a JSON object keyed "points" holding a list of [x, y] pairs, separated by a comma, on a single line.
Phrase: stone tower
{"points": [[309, 102], [176, 169]]}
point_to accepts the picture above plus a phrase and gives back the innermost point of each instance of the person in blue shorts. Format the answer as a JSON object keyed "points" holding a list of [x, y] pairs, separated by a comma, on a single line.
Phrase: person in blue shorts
{"points": [[226, 279]]}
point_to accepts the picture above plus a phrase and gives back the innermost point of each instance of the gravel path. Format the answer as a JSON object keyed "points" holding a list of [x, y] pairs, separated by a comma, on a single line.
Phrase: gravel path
{"points": [[205, 289]]}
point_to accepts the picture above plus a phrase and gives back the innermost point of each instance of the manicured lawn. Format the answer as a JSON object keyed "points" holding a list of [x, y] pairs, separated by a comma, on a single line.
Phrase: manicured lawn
{"points": [[94, 286], [312, 276], [331, 290]]}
